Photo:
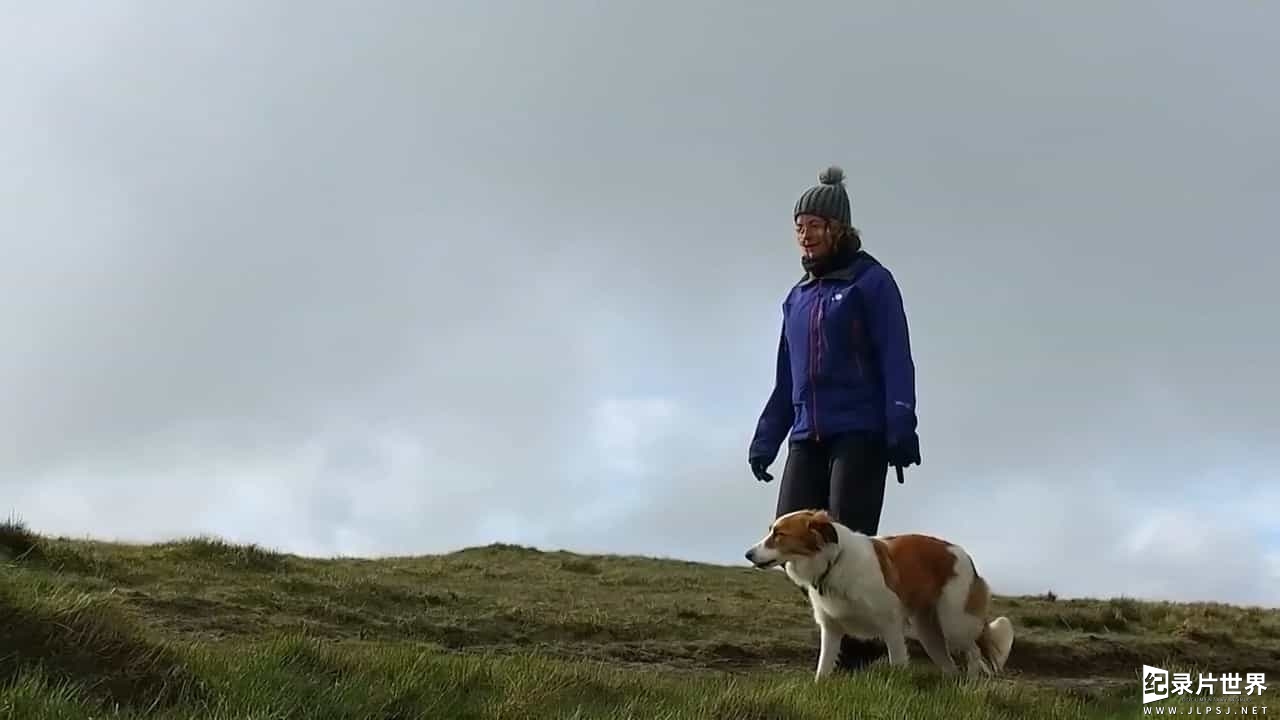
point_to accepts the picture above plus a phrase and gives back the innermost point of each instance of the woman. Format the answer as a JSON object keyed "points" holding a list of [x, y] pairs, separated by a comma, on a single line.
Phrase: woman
{"points": [[845, 384]]}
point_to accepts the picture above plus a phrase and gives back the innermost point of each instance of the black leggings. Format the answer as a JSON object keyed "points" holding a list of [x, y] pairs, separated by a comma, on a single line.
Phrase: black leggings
{"points": [[844, 475]]}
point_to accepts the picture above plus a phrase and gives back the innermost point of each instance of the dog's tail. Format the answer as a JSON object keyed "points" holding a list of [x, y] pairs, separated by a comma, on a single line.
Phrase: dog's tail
{"points": [[995, 642]]}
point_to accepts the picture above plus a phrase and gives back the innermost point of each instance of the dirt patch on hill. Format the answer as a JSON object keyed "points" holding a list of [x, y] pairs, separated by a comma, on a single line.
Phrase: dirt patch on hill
{"points": [[1088, 663]]}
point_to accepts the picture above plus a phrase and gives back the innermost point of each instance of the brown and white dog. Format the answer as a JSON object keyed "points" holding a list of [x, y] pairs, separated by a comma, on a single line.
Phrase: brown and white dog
{"points": [[890, 587]]}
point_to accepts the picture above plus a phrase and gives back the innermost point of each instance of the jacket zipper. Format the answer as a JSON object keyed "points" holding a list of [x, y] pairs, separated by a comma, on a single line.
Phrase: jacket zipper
{"points": [[815, 355]]}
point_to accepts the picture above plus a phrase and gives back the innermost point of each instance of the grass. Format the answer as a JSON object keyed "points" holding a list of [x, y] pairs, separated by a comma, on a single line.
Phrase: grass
{"points": [[202, 628]]}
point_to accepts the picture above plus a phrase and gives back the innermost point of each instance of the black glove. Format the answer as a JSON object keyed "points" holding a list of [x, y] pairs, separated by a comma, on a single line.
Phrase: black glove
{"points": [[760, 468], [904, 450], [903, 444]]}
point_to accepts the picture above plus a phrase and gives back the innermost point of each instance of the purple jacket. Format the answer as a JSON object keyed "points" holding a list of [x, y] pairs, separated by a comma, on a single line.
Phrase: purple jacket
{"points": [[844, 360]]}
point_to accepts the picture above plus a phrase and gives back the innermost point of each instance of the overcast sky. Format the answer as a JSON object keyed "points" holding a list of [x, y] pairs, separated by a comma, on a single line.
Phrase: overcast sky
{"points": [[407, 277]]}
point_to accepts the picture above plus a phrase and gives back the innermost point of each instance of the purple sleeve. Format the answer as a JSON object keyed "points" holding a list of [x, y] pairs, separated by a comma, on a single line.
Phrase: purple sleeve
{"points": [[778, 415], [889, 332]]}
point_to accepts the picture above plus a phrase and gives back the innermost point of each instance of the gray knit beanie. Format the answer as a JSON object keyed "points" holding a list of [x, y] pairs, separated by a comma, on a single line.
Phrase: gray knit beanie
{"points": [[828, 199]]}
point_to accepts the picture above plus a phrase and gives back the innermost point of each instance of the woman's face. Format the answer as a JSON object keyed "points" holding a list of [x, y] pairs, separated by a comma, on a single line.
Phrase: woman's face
{"points": [[814, 236]]}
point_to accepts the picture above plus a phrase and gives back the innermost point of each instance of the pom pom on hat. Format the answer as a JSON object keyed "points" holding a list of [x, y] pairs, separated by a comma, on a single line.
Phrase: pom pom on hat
{"points": [[833, 175]]}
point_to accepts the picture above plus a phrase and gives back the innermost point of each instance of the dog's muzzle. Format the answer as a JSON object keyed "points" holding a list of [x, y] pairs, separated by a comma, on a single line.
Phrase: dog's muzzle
{"points": [[762, 563]]}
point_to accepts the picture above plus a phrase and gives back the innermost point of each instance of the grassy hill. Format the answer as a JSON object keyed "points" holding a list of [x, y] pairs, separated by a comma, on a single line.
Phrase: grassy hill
{"points": [[203, 629]]}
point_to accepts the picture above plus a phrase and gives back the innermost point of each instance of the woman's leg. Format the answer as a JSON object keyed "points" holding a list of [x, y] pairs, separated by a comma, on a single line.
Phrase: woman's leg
{"points": [[859, 468], [806, 482], [806, 485]]}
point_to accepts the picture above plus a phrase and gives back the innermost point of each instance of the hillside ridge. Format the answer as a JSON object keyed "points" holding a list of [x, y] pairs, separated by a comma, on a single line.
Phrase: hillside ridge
{"points": [[148, 604]]}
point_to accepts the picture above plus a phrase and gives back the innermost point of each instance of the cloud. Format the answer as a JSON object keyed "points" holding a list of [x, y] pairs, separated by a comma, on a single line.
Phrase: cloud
{"points": [[628, 431], [405, 280]]}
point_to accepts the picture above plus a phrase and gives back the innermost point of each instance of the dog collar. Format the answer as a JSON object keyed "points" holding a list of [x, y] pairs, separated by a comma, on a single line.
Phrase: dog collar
{"points": [[820, 585]]}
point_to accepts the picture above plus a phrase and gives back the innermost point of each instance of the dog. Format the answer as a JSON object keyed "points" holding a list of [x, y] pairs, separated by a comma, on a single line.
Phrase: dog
{"points": [[890, 587]]}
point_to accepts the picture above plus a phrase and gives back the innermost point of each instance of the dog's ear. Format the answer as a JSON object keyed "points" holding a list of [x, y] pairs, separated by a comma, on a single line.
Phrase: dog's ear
{"points": [[822, 525]]}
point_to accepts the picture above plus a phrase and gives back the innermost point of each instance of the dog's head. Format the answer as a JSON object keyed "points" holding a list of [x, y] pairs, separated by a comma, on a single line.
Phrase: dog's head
{"points": [[794, 536]]}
